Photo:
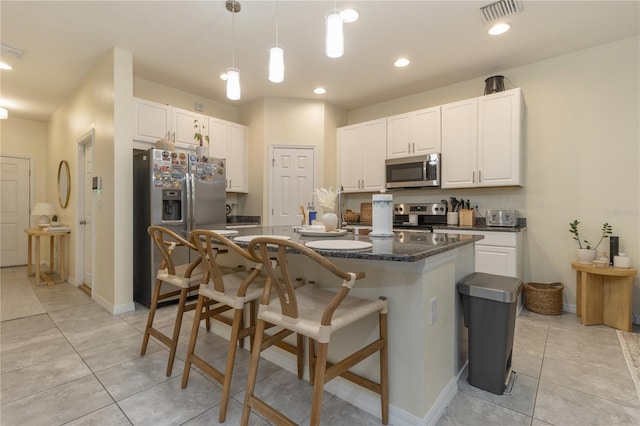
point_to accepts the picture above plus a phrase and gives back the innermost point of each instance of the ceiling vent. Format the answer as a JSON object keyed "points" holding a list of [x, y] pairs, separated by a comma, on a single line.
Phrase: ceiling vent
{"points": [[500, 9]]}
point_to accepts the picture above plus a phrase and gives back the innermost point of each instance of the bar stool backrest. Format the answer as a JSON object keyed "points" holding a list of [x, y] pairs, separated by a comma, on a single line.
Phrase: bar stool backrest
{"points": [[278, 274], [166, 241]]}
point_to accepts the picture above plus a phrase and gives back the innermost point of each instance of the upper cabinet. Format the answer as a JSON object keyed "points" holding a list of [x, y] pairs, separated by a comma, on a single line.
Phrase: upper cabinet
{"points": [[184, 127], [153, 121], [414, 133], [229, 141], [361, 155], [481, 141]]}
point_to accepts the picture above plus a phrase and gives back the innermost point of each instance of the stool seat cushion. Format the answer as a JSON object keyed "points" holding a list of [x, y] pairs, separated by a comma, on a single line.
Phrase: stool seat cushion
{"points": [[178, 279], [232, 283], [312, 301]]}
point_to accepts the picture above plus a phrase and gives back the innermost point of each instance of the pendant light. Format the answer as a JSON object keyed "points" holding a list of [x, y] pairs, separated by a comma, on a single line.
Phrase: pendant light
{"points": [[233, 74], [276, 58], [334, 46]]}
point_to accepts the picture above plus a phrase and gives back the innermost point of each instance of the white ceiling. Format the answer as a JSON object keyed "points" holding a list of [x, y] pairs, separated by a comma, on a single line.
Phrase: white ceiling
{"points": [[187, 44]]}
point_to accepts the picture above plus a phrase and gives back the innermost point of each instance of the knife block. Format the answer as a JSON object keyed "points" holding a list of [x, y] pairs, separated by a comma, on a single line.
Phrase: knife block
{"points": [[466, 217]]}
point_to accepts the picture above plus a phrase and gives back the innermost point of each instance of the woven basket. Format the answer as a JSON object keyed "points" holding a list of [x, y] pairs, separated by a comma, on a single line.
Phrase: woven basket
{"points": [[544, 298], [351, 217]]}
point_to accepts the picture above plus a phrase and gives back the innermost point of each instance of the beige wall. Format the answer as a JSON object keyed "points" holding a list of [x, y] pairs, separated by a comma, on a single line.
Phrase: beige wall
{"points": [[94, 106], [28, 139], [279, 121], [582, 156]]}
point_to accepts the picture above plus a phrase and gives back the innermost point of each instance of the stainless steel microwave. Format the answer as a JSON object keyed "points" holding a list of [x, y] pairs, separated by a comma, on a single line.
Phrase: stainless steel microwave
{"points": [[420, 171]]}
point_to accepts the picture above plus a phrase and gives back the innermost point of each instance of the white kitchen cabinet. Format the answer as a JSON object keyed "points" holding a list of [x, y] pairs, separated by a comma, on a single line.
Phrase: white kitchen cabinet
{"points": [[183, 127], [500, 253], [229, 141], [414, 133], [152, 121], [362, 150], [481, 141]]}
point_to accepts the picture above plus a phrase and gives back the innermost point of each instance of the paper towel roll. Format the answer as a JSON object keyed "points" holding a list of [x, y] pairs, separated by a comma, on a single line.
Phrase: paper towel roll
{"points": [[382, 215]]}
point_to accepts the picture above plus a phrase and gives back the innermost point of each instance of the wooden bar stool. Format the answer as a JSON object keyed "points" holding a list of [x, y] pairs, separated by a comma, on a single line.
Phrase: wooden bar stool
{"points": [[184, 276], [222, 291], [316, 314]]}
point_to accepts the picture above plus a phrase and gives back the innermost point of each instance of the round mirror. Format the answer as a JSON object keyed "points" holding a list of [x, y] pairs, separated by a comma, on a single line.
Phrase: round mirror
{"points": [[64, 184]]}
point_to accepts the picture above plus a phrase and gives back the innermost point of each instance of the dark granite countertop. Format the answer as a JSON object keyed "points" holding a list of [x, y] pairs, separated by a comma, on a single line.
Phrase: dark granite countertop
{"points": [[243, 220], [402, 247]]}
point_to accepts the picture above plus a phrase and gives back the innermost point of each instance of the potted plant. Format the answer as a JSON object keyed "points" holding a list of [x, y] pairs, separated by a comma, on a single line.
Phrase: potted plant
{"points": [[586, 250], [200, 137]]}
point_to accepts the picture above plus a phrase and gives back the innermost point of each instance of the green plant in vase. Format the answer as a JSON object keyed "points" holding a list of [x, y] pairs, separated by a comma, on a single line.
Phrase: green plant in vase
{"points": [[199, 135], [586, 250]]}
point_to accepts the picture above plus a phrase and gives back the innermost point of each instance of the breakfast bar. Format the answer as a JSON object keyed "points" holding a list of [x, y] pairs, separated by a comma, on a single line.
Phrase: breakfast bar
{"points": [[417, 272]]}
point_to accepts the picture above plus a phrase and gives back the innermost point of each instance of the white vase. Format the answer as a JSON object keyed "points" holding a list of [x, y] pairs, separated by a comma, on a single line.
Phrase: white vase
{"points": [[330, 221], [201, 151], [586, 255]]}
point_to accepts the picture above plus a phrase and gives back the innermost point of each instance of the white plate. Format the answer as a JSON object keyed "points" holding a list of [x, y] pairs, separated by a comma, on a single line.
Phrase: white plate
{"points": [[247, 238], [338, 245], [336, 233], [224, 232]]}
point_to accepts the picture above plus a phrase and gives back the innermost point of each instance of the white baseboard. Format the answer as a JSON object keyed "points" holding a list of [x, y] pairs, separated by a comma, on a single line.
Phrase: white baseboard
{"points": [[110, 307]]}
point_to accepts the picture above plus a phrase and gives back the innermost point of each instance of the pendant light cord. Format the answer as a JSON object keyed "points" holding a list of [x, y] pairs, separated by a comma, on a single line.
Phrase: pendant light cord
{"points": [[277, 23], [233, 37]]}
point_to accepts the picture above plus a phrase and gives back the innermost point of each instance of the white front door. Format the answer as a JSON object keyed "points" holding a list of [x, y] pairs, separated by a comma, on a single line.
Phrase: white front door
{"points": [[292, 183], [15, 210], [88, 220]]}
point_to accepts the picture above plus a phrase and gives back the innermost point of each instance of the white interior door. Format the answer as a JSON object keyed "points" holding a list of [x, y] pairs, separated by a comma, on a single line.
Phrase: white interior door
{"points": [[15, 209], [88, 212], [293, 171]]}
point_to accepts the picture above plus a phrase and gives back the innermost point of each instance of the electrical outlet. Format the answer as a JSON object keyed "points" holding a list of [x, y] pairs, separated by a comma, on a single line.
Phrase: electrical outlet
{"points": [[433, 310]]}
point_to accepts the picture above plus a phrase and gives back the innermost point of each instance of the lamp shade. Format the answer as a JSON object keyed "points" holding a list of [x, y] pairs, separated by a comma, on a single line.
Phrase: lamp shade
{"points": [[233, 84], [276, 64], [335, 37], [44, 210]]}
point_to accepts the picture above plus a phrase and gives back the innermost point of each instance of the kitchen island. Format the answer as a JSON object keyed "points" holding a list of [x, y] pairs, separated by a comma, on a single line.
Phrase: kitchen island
{"points": [[418, 273]]}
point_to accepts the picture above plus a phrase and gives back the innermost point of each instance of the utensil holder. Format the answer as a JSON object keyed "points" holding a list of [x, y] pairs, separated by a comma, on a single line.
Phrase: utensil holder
{"points": [[466, 217], [452, 218]]}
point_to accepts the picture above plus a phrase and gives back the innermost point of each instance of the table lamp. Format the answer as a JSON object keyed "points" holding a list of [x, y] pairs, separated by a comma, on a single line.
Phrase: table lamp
{"points": [[44, 210]]}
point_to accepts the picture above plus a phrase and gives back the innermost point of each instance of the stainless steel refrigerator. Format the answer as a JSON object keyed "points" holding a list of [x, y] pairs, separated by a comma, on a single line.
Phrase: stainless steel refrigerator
{"points": [[177, 190]]}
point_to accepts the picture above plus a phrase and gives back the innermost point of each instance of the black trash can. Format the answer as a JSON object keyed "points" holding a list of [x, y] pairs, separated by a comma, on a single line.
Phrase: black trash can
{"points": [[489, 304]]}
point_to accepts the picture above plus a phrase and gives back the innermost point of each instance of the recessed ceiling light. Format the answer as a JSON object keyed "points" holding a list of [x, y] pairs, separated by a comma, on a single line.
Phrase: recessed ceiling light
{"points": [[498, 29], [5, 66], [223, 76], [401, 62], [349, 15], [319, 91]]}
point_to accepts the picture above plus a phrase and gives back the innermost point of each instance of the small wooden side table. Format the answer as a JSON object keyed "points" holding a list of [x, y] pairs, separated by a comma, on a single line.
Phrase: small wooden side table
{"points": [[604, 295], [48, 276]]}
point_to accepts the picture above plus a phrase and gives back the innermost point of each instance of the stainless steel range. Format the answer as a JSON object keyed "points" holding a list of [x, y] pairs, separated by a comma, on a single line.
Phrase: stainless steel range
{"points": [[419, 216]]}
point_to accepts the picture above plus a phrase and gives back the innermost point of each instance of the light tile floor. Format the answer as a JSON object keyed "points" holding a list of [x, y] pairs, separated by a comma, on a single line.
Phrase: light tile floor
{"points": [[79, 365]]}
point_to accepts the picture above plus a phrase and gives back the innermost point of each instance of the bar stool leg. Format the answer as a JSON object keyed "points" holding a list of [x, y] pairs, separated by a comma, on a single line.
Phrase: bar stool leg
{"points": [[318, 385], [384, 369], [238, 320], [152, 313], [253, 372], [197, 317], [176, 330]]}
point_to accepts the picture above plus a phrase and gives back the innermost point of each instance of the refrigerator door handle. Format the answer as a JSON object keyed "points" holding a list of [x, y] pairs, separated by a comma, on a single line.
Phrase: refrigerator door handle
{"points": [[189, 197], [192, 206]]}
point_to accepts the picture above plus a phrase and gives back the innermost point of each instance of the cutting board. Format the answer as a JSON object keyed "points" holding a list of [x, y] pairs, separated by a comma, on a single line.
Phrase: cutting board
{"points": [[366, 213]]}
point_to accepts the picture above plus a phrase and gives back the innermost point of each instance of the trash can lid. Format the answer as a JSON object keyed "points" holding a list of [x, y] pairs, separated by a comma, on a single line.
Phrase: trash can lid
{"points": [[490, 286]]}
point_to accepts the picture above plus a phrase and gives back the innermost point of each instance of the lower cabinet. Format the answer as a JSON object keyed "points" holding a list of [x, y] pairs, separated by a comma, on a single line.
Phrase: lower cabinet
{"points": [[500, 253]]}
